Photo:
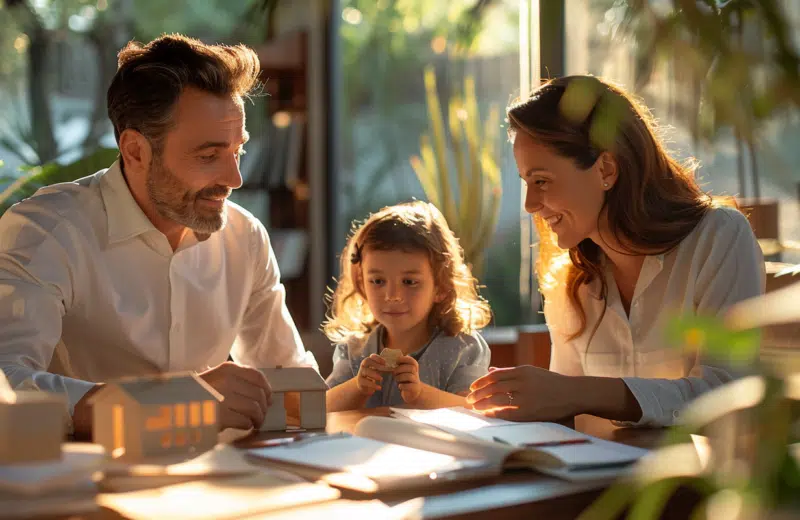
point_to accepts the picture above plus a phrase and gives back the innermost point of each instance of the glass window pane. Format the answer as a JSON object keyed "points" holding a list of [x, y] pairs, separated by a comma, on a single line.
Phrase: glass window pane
{"points": [[763, 176], [180, 415], [161, 421], [209, 412], [385, 52], [194, 414]]}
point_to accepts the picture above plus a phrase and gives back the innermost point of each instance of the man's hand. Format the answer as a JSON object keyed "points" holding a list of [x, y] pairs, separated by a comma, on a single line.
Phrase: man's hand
{"points": [[407, 376], [247, 395]]}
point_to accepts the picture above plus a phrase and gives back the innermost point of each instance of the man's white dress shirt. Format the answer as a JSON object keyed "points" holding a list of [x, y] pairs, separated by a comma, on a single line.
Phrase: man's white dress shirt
{"points": [[718, 264], [90, 290]]}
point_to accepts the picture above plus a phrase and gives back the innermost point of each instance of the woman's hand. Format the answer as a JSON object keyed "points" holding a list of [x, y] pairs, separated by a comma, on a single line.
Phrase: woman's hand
{"points": [[369, 377], [407, 376], [523, 393]]}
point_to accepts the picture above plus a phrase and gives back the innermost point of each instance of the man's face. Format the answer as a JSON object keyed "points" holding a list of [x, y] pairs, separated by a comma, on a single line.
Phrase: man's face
{"points": [[198, 164]]}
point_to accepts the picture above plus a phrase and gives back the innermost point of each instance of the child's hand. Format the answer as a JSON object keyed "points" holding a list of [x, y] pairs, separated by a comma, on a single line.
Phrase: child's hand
{"points": [[407, 376], [369, 378]]}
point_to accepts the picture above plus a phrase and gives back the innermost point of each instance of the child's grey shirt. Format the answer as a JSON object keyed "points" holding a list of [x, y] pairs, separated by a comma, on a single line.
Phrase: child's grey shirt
{"points": [[449, 363]]}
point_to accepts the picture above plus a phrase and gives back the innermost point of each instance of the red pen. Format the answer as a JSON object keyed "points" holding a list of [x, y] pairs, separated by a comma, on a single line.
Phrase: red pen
{"points": [[550, 444]]}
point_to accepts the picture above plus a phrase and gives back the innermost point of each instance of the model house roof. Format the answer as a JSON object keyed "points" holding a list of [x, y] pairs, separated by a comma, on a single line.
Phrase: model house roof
{"points": [[161, 389], [294, 379]]}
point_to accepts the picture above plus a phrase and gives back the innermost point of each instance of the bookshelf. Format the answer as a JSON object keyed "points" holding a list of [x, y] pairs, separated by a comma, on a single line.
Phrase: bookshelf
{"points": [[281, 174]]}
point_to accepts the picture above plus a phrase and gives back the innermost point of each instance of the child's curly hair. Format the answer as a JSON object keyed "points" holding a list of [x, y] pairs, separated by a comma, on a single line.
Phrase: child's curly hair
{"points": [[411, 226]]}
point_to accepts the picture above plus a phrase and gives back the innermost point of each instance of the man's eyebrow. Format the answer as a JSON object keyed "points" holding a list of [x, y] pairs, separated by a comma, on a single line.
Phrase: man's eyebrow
{"points": [[219, 144], [211, 144]]}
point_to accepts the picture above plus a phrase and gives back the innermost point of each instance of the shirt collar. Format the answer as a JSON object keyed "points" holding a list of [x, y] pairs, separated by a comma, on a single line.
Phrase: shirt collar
{"points": [[652, 265], [125, 218], [417, 354]]}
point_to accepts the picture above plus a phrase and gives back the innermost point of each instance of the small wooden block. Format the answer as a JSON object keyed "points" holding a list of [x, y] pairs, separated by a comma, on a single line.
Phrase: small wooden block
{"points": [[32, 427], [391, 355]]}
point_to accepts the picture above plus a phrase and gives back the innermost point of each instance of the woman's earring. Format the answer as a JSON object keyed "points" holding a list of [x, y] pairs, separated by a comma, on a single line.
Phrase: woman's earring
{"points": [[605, 185]]}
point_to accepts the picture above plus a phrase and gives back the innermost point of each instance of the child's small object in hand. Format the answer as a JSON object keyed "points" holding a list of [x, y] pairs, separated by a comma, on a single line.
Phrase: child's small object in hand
{"points": [[390, 355]]}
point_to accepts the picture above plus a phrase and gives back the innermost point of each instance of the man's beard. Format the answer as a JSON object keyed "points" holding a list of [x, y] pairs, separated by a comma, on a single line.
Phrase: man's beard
{"points": [[175, 201]]}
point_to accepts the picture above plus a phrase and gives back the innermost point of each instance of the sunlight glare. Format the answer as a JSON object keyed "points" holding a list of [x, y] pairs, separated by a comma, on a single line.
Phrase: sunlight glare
{"points": [[352, 16], [464, 422], [397, 461]]}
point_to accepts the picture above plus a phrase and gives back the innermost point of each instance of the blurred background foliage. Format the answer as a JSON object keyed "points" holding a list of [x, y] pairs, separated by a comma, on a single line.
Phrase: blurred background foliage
{"points": [[58, 56], [738, 65]]}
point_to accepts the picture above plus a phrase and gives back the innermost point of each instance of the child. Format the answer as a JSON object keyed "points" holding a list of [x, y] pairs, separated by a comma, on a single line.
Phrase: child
{"points": [[404, 286]]}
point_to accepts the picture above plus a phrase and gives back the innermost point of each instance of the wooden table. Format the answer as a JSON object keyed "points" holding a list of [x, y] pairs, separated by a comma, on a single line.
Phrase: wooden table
{"points": [[518, 494]]}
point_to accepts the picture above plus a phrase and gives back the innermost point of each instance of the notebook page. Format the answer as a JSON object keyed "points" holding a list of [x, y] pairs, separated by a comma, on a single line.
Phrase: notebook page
{"points": [[455, 418], [430, 438], [459, 419], [594, 453], [378, 461]]}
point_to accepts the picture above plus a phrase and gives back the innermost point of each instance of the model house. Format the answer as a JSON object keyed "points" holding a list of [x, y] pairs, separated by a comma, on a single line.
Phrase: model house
{"points": [[309, 388], [32, 425], [138, 418]]}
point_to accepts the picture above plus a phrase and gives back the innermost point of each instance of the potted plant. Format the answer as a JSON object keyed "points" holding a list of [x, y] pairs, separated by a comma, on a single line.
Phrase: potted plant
{"points": [[469, 194]]}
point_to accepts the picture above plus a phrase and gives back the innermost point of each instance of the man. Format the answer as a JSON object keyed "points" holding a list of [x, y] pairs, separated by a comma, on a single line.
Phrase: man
{"points": [[146, 267]]}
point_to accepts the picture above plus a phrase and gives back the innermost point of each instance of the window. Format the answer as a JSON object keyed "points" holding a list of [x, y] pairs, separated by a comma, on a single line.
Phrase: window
{"points": [[166, 439], [161, 421], [209, 412], [180, 415], [194, 414], [597, 43], [180, 438], [384, 54], [62, 116], [118, 418], [197, 436]]}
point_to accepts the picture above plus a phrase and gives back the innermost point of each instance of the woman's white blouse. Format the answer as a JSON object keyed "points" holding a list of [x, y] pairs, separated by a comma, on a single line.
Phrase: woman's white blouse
{"points": [[718, 264]]}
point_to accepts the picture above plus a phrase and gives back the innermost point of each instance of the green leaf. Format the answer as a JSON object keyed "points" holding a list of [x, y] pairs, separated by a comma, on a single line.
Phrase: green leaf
{"points": [[611, 503], [579, 99], [651, 500], [712, 336], [53, 173]]}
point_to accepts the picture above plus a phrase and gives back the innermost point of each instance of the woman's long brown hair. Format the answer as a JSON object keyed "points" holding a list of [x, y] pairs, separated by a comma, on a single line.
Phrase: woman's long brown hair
{"points": [[655, 202]]}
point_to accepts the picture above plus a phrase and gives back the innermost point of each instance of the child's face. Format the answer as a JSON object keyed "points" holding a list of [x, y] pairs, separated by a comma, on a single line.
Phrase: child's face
{"points": [[400, 289]]}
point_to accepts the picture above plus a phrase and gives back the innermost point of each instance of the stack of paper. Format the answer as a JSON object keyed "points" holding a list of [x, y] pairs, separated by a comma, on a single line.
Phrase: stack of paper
{"points": [[218, 498], [67, 485], [222, 461]]}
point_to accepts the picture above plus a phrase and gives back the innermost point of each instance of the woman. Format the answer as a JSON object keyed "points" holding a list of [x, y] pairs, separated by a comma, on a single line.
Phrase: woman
{"points": [[627, 238]]}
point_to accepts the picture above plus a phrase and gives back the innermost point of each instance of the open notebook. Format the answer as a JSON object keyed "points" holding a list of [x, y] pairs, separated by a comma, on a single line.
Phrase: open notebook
{"points": [[366, 464], [388, 454], [548, 447]]}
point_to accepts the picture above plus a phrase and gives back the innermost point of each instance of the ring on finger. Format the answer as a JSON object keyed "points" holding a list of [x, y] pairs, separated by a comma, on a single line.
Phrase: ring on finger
{"points": [[510, 398]]}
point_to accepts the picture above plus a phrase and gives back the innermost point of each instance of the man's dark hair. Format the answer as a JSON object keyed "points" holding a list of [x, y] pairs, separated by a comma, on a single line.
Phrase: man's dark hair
{"points": [[151, 77]]}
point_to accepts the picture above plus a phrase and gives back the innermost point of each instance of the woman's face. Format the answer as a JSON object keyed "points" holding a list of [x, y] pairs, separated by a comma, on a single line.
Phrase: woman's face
{"points": [[567, 197]]}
